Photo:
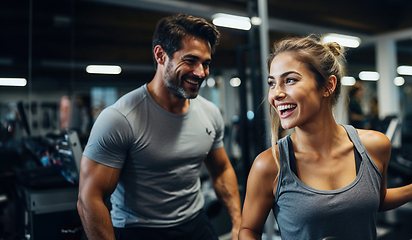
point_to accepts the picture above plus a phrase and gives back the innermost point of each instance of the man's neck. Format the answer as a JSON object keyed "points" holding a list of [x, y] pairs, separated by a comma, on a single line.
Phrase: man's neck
{"points": [[166, 99]]}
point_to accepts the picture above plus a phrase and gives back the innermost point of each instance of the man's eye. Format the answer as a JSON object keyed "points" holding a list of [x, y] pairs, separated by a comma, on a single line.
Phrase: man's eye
{"points": [[190, 61]]}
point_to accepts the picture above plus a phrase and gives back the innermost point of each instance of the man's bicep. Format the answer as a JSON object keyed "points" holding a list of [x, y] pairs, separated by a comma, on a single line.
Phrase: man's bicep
{"points": [[96, 178]]}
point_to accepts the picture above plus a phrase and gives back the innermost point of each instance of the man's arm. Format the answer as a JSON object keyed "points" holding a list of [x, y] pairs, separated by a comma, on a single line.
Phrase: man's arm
{"points": [[225, 184], [97, 182]]}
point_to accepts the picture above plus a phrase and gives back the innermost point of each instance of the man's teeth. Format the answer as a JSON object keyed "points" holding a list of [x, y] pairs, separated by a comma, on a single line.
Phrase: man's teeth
{"points": [[192, 81], [286, 107]]}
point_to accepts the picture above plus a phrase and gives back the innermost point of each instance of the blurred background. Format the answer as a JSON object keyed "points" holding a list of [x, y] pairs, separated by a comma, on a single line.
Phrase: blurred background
{"points": [[50, 96]]}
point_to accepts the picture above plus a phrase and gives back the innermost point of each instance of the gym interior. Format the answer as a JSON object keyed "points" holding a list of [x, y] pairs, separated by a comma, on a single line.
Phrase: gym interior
{"points": [[49, 99]]}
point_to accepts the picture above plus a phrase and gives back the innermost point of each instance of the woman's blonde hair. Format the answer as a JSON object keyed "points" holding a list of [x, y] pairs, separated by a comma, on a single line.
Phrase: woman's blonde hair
{"points": [[324, 60]]}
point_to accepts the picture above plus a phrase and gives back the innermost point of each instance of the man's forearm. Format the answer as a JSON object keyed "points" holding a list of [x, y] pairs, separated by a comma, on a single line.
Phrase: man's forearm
{"points": [[247, 234], [96, 221], [227, 191]]}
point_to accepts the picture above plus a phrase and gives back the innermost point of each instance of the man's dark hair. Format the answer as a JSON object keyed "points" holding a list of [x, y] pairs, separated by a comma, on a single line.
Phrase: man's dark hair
{"points": [[171, 30]]}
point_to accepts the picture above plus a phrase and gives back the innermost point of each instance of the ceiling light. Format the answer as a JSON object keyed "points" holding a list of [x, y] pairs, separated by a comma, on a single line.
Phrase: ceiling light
{"points": [[103, 69], [369, 76], [404, 70], [17, 82], [211, 82], [231, 21], [399, 81], [235, 82], [343, 40], [256, 21], [348, 81], [250, 115]]}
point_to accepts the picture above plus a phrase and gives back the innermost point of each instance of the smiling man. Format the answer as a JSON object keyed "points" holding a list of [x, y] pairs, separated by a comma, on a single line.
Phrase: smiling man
{"points": [[185, 72], [146, 150]]}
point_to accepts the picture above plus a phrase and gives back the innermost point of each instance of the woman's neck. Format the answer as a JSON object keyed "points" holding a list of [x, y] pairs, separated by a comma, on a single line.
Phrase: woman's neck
{"points": [[318, 136]]}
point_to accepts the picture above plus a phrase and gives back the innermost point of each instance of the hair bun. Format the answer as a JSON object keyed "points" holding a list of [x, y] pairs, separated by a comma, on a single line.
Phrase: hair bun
{"points": [[334, 47]]}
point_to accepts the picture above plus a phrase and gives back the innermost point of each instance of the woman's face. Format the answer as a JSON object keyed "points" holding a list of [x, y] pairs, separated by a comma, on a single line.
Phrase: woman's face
{"points": [[293, 91]]}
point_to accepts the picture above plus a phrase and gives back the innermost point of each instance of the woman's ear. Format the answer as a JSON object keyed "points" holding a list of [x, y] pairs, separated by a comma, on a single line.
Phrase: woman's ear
{"points": [[159, 54], [330, 85]]}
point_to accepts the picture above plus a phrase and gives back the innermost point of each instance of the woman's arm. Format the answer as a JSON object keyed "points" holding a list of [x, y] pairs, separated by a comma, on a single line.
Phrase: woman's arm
{"points": [[261, 186], [396, 197], [379, 148]]}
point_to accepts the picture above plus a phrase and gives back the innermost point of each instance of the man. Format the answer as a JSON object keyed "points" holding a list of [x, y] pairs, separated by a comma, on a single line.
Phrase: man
{"points": [[147, 149]]}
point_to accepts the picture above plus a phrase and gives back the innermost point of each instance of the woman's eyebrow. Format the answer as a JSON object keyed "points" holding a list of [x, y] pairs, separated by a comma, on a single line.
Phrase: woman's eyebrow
{"points": [[285, 74], [290, 72]]}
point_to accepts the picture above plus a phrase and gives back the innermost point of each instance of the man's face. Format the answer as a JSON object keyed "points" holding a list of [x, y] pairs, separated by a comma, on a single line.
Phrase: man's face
{"points": [[185, 72]]}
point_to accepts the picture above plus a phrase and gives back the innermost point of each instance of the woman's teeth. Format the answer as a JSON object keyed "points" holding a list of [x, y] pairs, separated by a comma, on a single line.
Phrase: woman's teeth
{"points": [[286, 107]]}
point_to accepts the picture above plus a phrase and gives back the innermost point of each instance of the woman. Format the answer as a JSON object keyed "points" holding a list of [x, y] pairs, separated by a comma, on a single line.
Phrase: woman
{"points": [[311, 179]]}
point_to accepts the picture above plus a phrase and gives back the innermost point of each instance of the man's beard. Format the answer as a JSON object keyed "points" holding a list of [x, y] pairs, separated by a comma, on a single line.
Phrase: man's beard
{"points": [[175, 84]]}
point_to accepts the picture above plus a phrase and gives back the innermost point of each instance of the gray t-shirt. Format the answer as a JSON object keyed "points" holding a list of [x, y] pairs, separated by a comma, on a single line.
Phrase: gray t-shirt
{"points": [[306, 213], [160, 155]]}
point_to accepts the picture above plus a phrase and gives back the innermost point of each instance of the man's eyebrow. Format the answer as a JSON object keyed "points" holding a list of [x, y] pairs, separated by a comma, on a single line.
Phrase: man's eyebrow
{"points": [[196, 57]]}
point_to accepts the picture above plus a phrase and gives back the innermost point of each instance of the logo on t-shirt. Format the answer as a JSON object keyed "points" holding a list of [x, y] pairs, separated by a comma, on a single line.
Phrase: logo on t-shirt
{"points": [[208, 132]]}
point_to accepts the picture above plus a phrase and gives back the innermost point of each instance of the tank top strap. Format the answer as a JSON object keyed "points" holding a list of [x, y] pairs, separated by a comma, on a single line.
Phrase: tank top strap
{"points": [[354, 137], [283, 153], [283, 163]]}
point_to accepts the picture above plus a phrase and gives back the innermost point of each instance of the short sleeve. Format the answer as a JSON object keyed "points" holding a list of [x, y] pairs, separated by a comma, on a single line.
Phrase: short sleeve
{"points": [[220, 130], [110, 139]]}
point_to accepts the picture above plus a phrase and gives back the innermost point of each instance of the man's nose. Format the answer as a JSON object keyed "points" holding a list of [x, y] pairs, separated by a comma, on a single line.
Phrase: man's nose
{"points": [[200, 71]]}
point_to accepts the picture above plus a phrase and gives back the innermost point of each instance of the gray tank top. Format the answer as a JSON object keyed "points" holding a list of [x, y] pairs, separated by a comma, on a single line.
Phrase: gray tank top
{"points": [[306, 213]]}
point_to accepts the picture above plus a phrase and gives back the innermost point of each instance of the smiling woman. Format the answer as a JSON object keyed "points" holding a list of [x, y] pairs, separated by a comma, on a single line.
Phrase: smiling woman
{"points": [[299, 64], [311, 177]]}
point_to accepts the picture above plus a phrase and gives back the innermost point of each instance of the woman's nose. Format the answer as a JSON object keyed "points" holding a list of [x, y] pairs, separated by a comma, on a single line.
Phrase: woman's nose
{"points": [[278, 93]]}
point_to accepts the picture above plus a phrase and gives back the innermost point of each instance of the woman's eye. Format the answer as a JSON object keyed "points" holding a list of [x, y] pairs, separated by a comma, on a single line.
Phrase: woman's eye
{"points": [[290, 80], [271, 84]]}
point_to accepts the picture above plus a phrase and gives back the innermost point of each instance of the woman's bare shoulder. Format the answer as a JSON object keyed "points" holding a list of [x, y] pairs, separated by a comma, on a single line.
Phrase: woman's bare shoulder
{"points": [[374, 140], [265, 164], [376, 143]]}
